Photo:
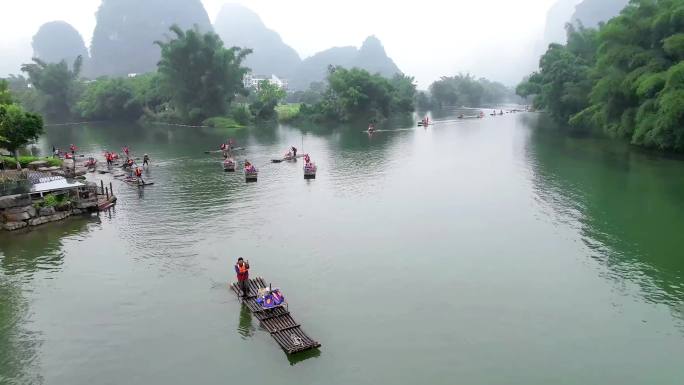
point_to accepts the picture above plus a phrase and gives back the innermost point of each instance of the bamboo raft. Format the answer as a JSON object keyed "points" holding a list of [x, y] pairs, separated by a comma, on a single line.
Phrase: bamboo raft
{"points": [[277, 321]]}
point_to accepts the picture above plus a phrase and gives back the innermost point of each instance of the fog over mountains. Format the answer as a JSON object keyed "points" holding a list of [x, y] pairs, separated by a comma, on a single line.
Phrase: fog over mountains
{"points": [[588, 13], [119, 35]]}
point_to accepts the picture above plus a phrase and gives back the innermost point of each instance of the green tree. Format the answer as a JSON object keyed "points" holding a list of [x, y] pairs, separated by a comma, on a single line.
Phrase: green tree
{"points": [[563, 82], [626, 79], [109, 99], [466, 90], [5, 96], [57, 86], [403, 93], [355, 93], [639, 76], [18, 128], [200, 76], [268, 96]]}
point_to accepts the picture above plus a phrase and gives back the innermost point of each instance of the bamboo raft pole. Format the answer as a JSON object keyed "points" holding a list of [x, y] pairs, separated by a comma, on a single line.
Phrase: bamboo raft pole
{"points": [[277, 321]]}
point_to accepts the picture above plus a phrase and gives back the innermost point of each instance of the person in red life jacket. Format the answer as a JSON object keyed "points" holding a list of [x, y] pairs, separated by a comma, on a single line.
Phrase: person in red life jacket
{"points": [[138, 174], [242, 271], [307, 159]]}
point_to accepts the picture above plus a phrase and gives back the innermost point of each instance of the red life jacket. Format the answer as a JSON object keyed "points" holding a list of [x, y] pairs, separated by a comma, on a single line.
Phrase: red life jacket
{"points": [[242, 271], [138, 172]]}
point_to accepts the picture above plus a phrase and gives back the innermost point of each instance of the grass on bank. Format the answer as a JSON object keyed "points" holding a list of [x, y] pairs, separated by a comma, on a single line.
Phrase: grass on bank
{"points": [[288, 112], [24, 161], [222, 122]]}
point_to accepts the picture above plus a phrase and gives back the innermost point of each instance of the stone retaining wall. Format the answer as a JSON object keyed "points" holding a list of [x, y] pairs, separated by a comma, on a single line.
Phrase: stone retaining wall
{"points": [[16, 212]]}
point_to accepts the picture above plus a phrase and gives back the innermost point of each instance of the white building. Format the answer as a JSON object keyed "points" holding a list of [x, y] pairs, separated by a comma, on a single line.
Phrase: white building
{"points": [[252, 81]]}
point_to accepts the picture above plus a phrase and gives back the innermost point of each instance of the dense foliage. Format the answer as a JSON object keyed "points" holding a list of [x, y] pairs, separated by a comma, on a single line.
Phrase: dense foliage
{"points": [[626, 79], [200, 76], [109, 99], [312, 95], [465, 90], [25, 160], [17, 127], [56, 85], [562, 84], [267, 99], [5, 95], [355, 93]]}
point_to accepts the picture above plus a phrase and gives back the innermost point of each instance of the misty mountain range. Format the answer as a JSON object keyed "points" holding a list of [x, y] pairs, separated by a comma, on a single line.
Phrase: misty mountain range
{"points": [[123, 39], [124, 36]]}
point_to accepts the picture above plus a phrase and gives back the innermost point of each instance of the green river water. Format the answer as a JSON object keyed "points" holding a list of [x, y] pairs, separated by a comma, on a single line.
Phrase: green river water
{"points": [[494, 251]]}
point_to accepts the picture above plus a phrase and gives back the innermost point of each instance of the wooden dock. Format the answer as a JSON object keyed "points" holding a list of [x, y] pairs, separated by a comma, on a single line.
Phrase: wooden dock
{"points": [[277, 321]]}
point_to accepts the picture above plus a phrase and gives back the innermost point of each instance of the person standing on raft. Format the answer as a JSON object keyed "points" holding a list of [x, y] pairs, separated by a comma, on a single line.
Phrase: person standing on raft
{"points": [[242, 271], [138, 175], [146, 160]]}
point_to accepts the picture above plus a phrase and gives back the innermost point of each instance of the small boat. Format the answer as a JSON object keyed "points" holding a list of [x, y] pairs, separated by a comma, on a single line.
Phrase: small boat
{"points": [[288, 157], [229, 165], [135, 181], [310, 170], [424, 123], [90, 163], [226, 150], [251, 173]]}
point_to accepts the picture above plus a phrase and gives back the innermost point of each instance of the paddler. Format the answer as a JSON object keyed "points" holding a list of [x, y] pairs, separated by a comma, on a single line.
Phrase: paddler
{"points": [[307, 159], [138, 175], [371, 127], [242, 271], [294, 151], [146, 160]]}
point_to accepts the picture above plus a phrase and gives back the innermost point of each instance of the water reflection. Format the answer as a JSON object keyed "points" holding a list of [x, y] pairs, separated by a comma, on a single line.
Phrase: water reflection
{"points": [[18, 346], [245, 327], [28, 251], [296, 358], [627, 205]]}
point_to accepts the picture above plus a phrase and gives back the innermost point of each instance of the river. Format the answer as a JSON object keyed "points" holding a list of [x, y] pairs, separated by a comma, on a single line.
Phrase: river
{"points": [[493, 251]]}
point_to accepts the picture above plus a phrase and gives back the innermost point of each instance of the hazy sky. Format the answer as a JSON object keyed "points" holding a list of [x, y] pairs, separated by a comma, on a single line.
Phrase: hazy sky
{"points": [[498, 39]]}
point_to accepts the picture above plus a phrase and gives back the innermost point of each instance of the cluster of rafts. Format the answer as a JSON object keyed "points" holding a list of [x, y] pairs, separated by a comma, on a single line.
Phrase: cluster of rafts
{"points": [[252, 172]]}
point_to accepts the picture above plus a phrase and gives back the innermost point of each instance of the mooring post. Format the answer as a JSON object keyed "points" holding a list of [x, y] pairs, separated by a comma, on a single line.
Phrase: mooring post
{"points": [[107, 193], [102, 186], [111, 189]]}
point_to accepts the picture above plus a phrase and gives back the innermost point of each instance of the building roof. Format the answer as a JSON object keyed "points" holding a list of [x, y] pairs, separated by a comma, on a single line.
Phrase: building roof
{"points": [[54, 185]]}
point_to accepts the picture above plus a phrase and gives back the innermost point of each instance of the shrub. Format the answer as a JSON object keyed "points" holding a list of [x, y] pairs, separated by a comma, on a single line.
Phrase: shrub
{"points": [[222, 122], [241, 114], [288, 112], [25, 160]]}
